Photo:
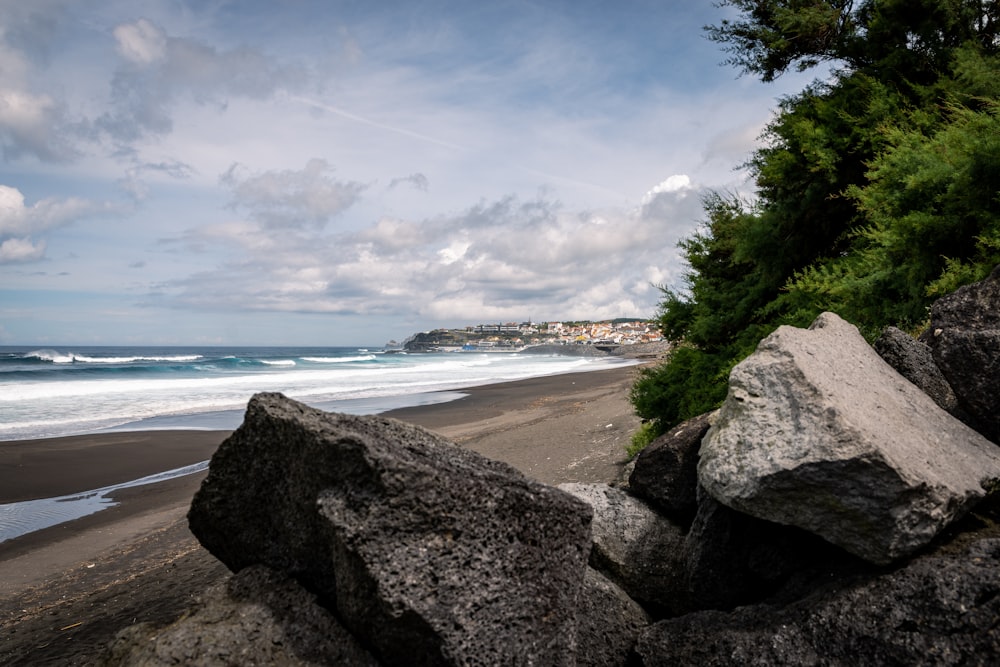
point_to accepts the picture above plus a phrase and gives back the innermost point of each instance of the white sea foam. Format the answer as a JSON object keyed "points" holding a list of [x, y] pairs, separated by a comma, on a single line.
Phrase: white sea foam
{"points": [[53, 402], [278, 362], [74, 358], [338, 360]]}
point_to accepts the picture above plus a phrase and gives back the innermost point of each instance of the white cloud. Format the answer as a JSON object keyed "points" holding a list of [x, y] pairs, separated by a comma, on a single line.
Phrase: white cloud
{"points": [[141, 42], [292, 198], [162, 71], [32, 124], [21, 250], [675, 183], [503, 258], [18, 222]]}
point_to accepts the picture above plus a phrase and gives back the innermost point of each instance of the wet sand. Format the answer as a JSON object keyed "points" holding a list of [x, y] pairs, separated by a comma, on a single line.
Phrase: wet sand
{"points": [[65, 591]]}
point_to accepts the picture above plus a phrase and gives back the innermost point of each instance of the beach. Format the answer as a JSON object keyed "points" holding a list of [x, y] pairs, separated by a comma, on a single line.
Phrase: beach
{"points": [[66, 590]]}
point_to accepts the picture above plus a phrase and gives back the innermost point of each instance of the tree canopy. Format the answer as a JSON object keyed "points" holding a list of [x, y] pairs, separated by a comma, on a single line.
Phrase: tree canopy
{"points": [[877, 190]]}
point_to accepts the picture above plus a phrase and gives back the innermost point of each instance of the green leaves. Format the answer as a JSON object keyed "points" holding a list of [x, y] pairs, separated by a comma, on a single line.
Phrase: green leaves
{"points": [[877, 191], [772, 36], [932, 206]]}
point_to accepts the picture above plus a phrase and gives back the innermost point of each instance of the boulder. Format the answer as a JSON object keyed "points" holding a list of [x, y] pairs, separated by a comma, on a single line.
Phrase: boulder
{"points": [[608, 622], [256, 617], [731, 558], [635, 547], [427, 552], [939, 610], [666, 472], [817, 431], [913, 360], [964, 337]]}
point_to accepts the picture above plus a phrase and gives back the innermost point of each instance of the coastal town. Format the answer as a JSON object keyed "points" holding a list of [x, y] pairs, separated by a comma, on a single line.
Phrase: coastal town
{"points": [[514, 336]]}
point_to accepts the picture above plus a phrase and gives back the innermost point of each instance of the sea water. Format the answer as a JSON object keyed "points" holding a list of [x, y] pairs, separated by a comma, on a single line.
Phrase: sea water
{"points": [[47, 392]]}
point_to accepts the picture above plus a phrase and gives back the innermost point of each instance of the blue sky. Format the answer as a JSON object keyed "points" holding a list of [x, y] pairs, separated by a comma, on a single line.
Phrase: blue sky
{"points": [[297, 172]]}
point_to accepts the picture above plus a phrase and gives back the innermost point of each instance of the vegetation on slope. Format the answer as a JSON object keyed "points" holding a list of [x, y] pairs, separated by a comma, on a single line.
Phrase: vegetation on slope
{"points": [[878, 189]]}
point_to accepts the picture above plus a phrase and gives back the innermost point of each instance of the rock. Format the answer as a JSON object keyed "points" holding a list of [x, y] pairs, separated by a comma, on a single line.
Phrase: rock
{"points": [[913, 360], [635, 547], [964, 337], [256, 617], [731, 558], [939, 610], [608, 622], [429, 553], [666, 471], [818, 432]]}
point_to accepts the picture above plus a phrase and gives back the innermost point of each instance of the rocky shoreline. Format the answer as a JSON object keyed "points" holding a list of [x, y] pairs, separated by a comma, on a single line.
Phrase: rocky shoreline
{"points": [[831, 513]]}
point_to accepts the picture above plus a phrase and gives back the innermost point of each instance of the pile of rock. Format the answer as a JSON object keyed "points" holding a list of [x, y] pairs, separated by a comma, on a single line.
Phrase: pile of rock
{"points": [[814, 519]]}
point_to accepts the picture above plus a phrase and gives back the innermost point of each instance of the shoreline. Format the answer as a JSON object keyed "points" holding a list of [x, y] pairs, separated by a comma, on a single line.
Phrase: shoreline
{"points": [[41, 468], [66, 590]]}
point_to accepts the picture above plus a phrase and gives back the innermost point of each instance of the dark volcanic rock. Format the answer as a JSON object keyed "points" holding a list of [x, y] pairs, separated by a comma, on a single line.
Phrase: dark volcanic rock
{"points": [[666, 472], [913, 360], [635, 547], [939, 610], [608, 622], [732, 558], [256, 617], [429, 553], [964, 337]]}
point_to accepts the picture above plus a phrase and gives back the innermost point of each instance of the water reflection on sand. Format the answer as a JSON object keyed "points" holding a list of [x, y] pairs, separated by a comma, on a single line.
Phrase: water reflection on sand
{"points": [[17, 519]]}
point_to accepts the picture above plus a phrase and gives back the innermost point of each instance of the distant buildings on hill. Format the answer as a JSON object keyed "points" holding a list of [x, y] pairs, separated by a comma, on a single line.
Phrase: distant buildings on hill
{"points": [[616, 332]]}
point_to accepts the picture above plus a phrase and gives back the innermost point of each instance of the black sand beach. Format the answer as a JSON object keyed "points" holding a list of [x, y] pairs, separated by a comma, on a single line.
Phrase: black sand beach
{"points": [[65, 591]]}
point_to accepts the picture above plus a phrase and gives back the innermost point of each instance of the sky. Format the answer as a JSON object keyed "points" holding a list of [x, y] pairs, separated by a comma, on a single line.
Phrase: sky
{"points": [[340, 172]]}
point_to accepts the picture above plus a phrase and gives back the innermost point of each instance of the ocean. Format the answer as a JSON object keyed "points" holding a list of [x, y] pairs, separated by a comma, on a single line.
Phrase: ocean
{"points": [[48, 392]]}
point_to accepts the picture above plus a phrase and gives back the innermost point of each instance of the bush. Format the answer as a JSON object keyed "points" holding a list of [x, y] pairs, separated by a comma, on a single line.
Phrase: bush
{"points": [[646, 434]]}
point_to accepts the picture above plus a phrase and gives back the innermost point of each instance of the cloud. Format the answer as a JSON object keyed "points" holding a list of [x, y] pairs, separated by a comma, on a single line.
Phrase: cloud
{"points": [[159, 70], [292, 199], [18, 222], [14, 250], [134, 184], [418, 181], [32, 122], [141, 42], [505, 258]]}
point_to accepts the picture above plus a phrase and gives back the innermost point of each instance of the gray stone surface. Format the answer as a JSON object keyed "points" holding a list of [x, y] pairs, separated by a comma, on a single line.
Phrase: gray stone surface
{"points": [[634, 546], [913, 360], [818, 432], [731, 558], [666, 472], [430, 554], [964, 337], [256, 617], [608, 622], [939, 610]]}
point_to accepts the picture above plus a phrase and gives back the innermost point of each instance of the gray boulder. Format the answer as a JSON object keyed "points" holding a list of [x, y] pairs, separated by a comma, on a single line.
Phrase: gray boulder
{"points": [[818, 432], [256, 617], [731, 558], [635, 547], [964, 337], [939, 610], [608, 622], [429, 554], [666, 472], [913, 360]]}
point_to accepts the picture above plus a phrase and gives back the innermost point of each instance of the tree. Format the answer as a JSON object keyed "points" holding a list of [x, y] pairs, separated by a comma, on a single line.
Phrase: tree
{"points": [[877, 188]]}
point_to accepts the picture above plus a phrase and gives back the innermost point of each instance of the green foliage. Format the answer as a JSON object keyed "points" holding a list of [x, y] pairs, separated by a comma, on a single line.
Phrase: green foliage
{"points": [[691, 382], [878, 190], [641, 439], [932, 205]]}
